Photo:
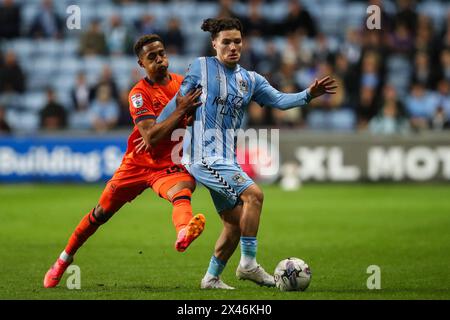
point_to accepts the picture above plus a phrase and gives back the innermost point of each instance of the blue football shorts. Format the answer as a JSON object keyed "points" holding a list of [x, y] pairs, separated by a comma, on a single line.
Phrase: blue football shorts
{"points": [[225, 180]]}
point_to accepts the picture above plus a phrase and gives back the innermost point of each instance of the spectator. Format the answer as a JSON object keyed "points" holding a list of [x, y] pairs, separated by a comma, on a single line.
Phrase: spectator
{"points": [[422, 71], [257, 116], [249, 58], [421, 105], [226, 9], [4, 126], [392, 118], [173, 37], [135, 76], [425, 40], [269, 62], [93, 41], [291, 52], [375, 41], [104, 110], [106, 78], [80, 93], [441, 116], [46, 24], [12, 78], [298, 20], [349, 76], [351, 48], [125, 120], [120, 39], [370, 81], [322, 48], [406, 15], [254, 24], [147, 25], [401, 41], [444, 70], [53, 116], [285, 77], [9, 20], [445, 37], [328, 112]]}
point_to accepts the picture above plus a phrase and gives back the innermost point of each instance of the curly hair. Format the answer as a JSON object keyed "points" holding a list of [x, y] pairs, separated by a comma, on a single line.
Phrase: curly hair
{"points": [[144, 40], [214, 26]]}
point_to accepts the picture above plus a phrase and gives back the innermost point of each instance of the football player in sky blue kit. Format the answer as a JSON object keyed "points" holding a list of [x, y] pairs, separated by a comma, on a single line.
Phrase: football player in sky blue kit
{"points": [[209, 147]]}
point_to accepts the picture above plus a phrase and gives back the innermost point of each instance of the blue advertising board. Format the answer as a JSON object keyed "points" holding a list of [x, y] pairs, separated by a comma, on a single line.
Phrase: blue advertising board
{"points": [[62, 159]]}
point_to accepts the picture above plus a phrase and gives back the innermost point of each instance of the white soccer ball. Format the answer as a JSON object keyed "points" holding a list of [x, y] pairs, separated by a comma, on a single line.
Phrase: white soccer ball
{"points": [[292, 274]]}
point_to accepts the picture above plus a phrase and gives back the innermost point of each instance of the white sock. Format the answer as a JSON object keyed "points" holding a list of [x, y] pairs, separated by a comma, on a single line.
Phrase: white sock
{"points": [[65, 257], [248, 262]]}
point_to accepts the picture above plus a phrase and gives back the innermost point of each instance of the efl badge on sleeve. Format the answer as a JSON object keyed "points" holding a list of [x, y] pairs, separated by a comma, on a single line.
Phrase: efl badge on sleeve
{"points": [[137, 100]]}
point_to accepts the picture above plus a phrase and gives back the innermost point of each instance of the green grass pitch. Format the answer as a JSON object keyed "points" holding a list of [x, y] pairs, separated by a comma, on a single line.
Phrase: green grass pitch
{"points": [[339, 230]]}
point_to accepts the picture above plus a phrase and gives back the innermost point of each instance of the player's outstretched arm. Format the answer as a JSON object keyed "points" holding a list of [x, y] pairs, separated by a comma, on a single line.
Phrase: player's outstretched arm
{"points": [[153, 131], [267, 95]]}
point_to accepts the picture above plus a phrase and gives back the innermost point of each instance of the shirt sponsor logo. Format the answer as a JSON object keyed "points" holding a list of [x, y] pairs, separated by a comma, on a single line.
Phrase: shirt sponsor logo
{"points": [[141, 112]]}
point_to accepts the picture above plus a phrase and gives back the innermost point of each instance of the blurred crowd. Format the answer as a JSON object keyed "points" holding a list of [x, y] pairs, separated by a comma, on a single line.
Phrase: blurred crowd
{"points": [[392, 80]]}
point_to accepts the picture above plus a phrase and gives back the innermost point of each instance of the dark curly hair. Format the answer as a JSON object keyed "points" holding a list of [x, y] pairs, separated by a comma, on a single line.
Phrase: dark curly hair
{"points": [[144, 40], [214, 26]]}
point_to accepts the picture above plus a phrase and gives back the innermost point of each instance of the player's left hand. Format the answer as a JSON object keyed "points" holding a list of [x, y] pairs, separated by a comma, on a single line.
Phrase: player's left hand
{"points": [[322, 86], [140, 145]]}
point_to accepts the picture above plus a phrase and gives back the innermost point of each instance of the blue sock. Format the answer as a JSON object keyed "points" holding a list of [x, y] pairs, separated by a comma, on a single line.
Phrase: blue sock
{"points": [[216, 266], [249, 247]]}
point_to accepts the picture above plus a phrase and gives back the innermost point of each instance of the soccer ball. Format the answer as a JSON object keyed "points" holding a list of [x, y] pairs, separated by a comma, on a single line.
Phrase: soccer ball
{"points": [[292, 274]]}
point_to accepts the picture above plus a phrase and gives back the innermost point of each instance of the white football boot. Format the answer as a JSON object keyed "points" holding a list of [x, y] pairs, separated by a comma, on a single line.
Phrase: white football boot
{"points": [[214, 283], [258, 275]]}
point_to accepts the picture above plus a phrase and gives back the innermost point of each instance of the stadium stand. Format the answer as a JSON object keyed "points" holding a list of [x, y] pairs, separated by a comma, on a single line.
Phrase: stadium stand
{"points": [[50, 54]]}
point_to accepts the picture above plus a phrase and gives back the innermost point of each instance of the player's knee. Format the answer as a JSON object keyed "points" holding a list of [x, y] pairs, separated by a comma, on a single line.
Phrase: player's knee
{"points": [[102, 215], [184, 188], [181, 195], [254, 197]]}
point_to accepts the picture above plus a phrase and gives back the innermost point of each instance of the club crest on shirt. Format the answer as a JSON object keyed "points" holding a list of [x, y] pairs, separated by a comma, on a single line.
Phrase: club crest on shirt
{"points": [[238, 178], [243, 86], [137, 100]]}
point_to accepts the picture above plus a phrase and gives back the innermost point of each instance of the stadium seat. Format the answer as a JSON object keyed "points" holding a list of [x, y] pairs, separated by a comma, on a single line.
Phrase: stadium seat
{"points": [[94, 64], [70, 47], [132, 12], [34, 101], [23, 48], [331, 18], [64, 82], [179, 64], [21, 121], [48, 48], [435, 10], [122, 65], [355, 14], [71, 65], [274, 11]]}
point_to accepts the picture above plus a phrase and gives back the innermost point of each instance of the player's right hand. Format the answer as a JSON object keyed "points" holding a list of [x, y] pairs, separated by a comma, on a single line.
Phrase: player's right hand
{"points": [[140, 145], [189, 102]]}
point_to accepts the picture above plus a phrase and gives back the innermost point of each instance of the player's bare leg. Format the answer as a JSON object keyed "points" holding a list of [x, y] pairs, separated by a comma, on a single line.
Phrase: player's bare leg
{"points": [[188, 227], [225, 246], [248, 268], [86, 228]]}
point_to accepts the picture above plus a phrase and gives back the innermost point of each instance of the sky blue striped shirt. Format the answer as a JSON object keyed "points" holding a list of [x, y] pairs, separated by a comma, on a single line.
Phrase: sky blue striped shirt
{"points": [[226, 94]]}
